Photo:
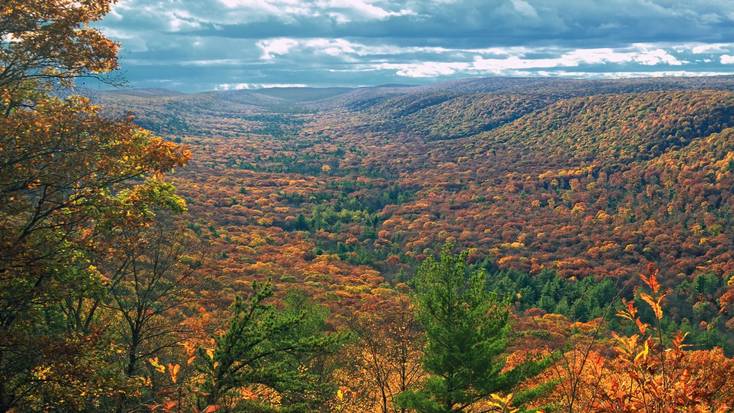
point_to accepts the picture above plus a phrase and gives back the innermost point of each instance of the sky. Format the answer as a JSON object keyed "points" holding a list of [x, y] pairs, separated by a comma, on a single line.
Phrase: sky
{"points": [[197, 45]]}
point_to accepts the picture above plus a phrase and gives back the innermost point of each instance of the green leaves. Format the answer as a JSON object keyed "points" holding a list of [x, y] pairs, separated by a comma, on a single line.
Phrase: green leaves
{"points": [[466, 332], [272, 347]]}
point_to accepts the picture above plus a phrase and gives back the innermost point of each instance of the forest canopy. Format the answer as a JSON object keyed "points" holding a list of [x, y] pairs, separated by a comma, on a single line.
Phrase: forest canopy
{"points": [[491, 245]]}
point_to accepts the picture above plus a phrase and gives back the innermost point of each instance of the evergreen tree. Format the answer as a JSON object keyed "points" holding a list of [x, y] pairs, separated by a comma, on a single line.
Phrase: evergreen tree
{"points": [[466, 337], [562, 307], [272, 347], [301, 223]]}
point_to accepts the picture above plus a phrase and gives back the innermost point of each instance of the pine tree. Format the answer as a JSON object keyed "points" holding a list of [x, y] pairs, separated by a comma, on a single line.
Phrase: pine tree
{"points": [[272, 347], [466, 337]]}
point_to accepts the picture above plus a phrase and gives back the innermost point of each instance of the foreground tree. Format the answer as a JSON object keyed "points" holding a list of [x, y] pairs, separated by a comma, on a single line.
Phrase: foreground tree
{"points": [[51, 40], [466, 338], [152, 267], [385, 359], [271, 354], [65, 170]]}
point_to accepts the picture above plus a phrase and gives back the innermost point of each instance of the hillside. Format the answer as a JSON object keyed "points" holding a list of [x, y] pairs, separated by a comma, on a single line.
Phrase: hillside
{"points": [[342, 192], [343, 200], [481, 157]]}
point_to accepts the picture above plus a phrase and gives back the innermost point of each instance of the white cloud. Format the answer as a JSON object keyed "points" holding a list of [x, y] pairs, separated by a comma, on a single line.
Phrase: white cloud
{"points": [[441, 61], [270, 48], [424, 69], [574, 58], [275, 47], [181, 20], [502, 58], [515, 61], [130, 41], [524, 8], [287, 9], [360, 8], [203, 41], [710, 48], [251, 86], [342, 11], [644, 55]]}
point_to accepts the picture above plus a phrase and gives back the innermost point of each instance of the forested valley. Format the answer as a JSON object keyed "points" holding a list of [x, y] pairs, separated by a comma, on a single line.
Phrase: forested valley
{"points": [[482, 245]]}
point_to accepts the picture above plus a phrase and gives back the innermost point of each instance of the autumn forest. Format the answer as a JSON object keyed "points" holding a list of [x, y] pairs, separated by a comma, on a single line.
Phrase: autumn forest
{"points": [[479, 245]]}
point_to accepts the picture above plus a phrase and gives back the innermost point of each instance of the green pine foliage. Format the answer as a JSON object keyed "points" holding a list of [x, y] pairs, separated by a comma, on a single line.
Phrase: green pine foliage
{"points": [[466, 329], [274, 347]]}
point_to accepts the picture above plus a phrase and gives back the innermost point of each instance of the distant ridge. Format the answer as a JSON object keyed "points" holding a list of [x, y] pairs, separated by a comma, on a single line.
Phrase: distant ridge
{"points": [[364, 98], [139, 92]]}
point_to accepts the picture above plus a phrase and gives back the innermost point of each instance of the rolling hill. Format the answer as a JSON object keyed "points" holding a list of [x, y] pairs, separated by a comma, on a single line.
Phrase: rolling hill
{"points": [[345, 190]]}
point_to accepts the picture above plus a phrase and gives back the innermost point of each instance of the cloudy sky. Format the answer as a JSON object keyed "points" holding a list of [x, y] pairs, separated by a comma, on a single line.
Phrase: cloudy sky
{"points": [[194, 45]]}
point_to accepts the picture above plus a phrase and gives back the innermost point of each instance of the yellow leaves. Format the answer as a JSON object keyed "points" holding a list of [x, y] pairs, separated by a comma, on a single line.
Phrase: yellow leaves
{"points": [[643, 354], [146, 382], [160, 368], [54, 38], [587, 327], [264, 268], [325, 168], [257, 240], [248, 394], [42, 372], [725, 162], [173, 370], [649, 225], [502, 404], [567, 173], [579, 207], [340, 394], [165, 155], [654, 304], [512, 245], [626, 345], [630, 313], [655, 300], [5, 97], [265, 222]]}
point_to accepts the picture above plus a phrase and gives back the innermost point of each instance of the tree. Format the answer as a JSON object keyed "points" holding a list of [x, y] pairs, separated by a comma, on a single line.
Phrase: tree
{"points": [[466, 337], [146, 292], [64, 169], [51, 40], [387, 353], [270, 350]]}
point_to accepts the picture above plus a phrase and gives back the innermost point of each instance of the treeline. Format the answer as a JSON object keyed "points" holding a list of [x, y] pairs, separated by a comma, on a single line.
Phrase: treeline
{"points": [[692, 305]]}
